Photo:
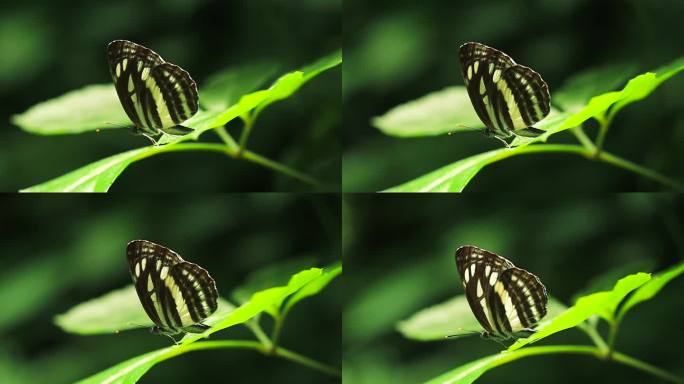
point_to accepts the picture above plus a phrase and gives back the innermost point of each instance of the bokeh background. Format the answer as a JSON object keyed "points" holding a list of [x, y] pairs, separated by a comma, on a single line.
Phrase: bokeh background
{"points": [[399, 50], [57, 252], [52, 47], [399, 258]]}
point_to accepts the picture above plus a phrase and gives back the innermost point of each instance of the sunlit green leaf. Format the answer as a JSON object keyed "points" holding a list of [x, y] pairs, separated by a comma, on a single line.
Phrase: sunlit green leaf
{"points": [[437, 113], [581, 87], [87, 109], [225, 88], [600, 303], [652, 287], [314, 286]]}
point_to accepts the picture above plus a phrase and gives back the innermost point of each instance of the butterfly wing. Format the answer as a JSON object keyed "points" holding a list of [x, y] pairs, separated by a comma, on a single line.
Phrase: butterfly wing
{"points": [[154, 94], [517, 302], [194, 293], [172, 97], [509, 98], [482, 67], [149, 265], [479, 270]]}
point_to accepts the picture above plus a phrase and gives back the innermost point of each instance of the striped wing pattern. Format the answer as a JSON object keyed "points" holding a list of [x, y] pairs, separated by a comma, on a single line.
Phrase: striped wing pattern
{"points": [[507, 301], [157, 96], [509, 98], [177, 295]]}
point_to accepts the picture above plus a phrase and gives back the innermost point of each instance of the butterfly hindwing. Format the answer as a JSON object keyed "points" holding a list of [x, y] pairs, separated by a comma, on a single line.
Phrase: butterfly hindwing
{"points": [[156, 95], [176, 294], [507, 301], [509, 98]]}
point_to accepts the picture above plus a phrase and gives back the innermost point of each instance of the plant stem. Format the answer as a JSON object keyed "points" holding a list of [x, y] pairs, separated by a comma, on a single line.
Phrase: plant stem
{"points": [[277, 328], [254, 326], [583, 138], [247, 129], [595, 337], [591, 155], [604, 124], [587, 350], [254, 345], [612, 334], [638, 364], [226, 137], [258, 159], [234, 153]]}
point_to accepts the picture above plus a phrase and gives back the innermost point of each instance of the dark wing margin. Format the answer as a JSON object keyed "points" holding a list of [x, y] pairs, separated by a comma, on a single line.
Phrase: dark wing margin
{"points": [[479, 270], [178, 92]]}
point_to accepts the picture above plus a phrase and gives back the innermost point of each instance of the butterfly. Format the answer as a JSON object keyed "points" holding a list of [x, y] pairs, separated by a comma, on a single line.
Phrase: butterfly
{"points": [[176, 294], [507, 301], [509, 98], [156, 95]]}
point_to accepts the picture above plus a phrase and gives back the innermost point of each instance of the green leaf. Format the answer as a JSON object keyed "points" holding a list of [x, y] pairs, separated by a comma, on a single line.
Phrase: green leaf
{"points": [[314, 286], [296, 283], [581, 87], [265, 277], [225, 88], [436, 113], [131, 370], [87, 109], [267, 300], [636, 89], [456, 176], [117, 311], [454, 318], [651, 288], [110, 313], [600, 303], [469, 372]]}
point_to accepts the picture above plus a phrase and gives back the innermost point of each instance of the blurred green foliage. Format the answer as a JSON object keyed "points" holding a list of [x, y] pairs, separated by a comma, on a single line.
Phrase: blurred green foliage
{"points": [[399, 259], [59, 251], [398, 51], [53, 47]]}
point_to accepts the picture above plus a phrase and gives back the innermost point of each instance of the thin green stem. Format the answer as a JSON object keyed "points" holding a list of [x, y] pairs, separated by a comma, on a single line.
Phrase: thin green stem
{"points": [[277, 328], [507, 357], [648, 368], [258, 159], [254, 326], [583, 138], [226, 137], [246, 131], [594, 336], [254, 345], [604, 124], [612, 335], [603, 157], [234, 153]]}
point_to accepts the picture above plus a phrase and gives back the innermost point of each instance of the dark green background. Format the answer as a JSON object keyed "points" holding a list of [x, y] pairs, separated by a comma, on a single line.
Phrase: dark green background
{"points": [[58, 251], [52, 47], [399, 258], [399, 50]]}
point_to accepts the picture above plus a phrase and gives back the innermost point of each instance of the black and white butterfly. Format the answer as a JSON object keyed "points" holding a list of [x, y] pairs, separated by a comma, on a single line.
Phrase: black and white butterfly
{"points": [[176, 294], [509, 98], [507, 301], [157, 96]]}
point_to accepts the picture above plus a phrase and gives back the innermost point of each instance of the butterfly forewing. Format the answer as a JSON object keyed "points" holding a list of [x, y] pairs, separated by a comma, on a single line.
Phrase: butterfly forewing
{"points": [[156, 95], [507, 301], [509, 98], [176, 294], [479, 270]]}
